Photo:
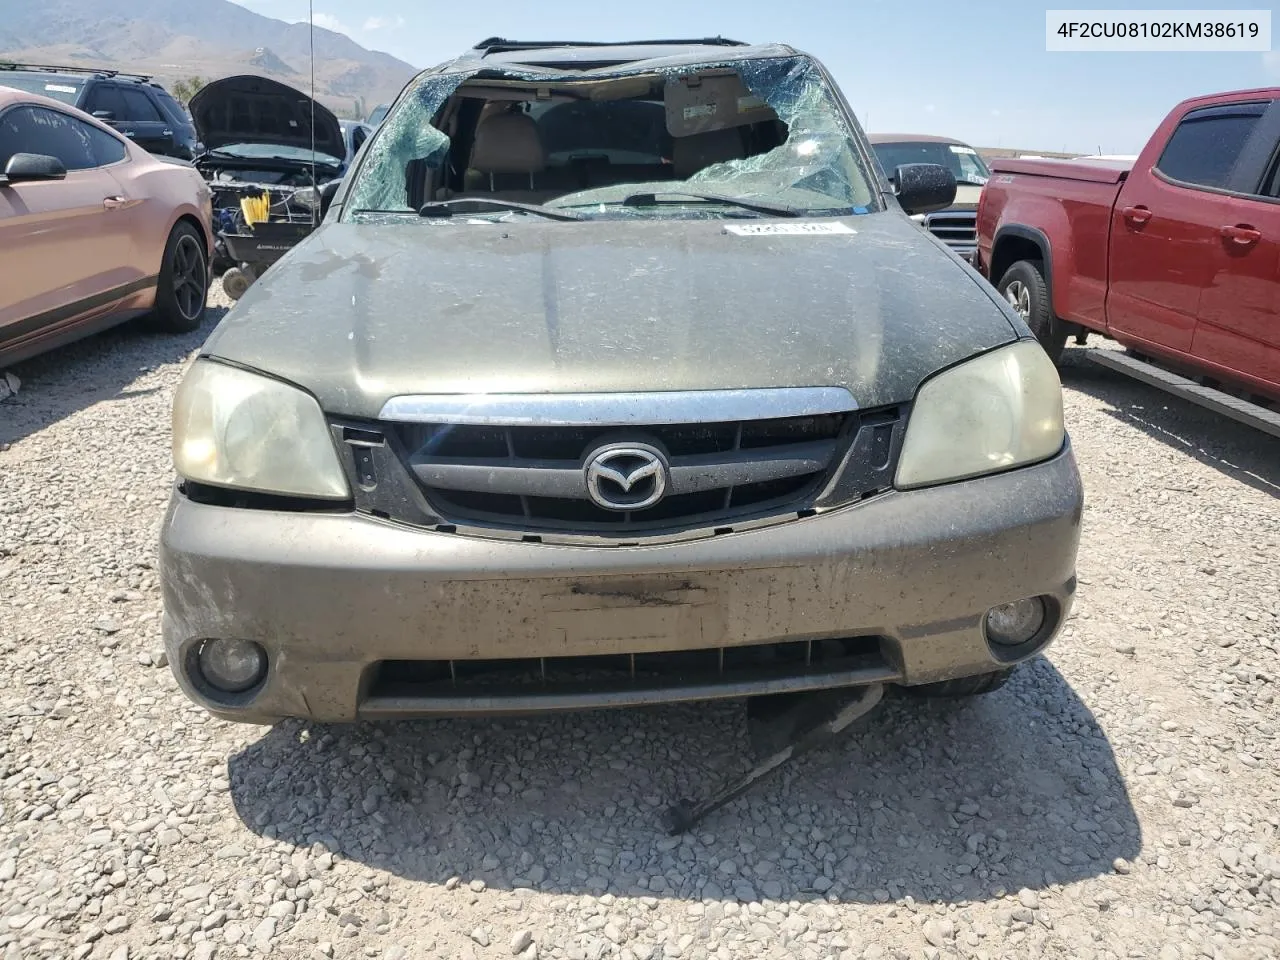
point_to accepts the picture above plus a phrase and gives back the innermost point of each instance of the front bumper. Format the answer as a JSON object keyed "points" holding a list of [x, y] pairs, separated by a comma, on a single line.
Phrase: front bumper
{"points": [[334, 597]]}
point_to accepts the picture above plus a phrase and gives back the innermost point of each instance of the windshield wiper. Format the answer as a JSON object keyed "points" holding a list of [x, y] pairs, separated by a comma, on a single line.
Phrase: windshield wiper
{"points": [[672, 196], [447, 208]]}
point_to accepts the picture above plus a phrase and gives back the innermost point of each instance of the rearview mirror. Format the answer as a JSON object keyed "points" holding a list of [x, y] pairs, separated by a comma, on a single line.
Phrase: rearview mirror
{"points": [[29, 167], [924, 187]]}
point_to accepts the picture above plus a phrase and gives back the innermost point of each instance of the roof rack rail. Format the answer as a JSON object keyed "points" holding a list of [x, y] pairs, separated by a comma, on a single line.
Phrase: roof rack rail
{"points": [[499, 45], [57, 68]]}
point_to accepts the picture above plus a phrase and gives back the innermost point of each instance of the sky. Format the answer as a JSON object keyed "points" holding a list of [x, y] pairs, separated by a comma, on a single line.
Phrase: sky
{"points": [[974, 70]]}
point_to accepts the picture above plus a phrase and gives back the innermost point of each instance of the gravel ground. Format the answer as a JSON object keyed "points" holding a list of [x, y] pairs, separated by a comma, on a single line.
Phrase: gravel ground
{"points": [[1120, 798]]}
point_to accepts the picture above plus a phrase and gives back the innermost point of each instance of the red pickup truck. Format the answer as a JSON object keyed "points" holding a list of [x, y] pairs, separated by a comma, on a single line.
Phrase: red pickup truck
{"points": [[1176, 256]]}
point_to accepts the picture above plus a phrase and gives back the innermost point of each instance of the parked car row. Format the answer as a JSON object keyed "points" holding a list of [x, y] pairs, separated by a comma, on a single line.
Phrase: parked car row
{"points": [[106, 214], [94, 230], [132, 104]]}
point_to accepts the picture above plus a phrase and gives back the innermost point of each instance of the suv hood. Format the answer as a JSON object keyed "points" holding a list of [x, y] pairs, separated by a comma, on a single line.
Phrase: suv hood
{"points": [[361, 312], [249, 109]]}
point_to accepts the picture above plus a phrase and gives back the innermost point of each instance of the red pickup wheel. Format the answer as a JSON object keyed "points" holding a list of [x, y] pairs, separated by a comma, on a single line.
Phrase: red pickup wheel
{"points": [[1024, 286]]}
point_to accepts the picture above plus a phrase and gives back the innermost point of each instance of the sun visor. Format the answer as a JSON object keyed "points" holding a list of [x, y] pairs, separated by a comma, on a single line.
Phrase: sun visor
{"points": [[704, 102]]}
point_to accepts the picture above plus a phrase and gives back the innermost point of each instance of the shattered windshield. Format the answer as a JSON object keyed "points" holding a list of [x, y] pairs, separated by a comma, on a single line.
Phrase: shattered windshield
{"points": [[749, 138]]}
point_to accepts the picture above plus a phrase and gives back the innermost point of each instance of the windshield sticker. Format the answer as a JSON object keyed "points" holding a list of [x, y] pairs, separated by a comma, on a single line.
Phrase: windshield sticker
{"points": [[700, 110], [59, 88], [787, 229], [963, 151], [747, 104]]}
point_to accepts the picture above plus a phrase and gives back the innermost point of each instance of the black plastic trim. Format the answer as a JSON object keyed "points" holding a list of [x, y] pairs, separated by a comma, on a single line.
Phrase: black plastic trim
{"points": [[69, 311]]}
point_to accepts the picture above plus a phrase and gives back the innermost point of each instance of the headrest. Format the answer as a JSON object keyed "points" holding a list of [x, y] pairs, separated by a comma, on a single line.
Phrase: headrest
{"points": [[508, 143], [691, 154]]}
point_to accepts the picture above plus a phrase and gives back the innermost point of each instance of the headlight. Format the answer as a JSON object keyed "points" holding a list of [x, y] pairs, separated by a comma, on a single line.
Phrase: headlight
{"points": [[1000, 410], [232, 428]]}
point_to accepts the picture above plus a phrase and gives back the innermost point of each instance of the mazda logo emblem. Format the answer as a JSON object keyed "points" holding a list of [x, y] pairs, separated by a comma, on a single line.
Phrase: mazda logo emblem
{"points": [[626, 476]]}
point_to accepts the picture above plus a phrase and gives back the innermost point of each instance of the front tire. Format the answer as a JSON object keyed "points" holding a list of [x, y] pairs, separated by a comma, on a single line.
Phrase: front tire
{"points": [[976, 686], [1025, 288], [183, 289]]}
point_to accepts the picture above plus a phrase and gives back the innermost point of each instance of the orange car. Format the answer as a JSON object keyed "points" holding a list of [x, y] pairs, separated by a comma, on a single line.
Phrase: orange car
{"points": [[93, 230]]}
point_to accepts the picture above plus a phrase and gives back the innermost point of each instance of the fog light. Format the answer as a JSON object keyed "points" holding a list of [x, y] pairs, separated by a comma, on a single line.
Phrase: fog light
{"points": [[1013, 624], [232, 666]]}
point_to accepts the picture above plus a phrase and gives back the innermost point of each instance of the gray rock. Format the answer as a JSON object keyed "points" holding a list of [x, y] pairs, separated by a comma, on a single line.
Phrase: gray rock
{"points": [[117, 924], [933, 933], [263, 933], [521, 940]]}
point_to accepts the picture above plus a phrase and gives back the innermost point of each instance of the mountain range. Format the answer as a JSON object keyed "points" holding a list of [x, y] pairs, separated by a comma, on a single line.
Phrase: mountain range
{"points": [[173, 39]]}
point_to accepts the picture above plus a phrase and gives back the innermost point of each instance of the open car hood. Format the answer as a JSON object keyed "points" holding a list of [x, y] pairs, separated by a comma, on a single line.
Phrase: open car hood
{"points": [[249, 109]]}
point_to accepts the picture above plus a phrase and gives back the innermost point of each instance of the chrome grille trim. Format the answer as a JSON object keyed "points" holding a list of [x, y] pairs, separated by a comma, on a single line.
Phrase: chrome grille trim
{"points": [[564, 480], [617, 409], [955, 228]]}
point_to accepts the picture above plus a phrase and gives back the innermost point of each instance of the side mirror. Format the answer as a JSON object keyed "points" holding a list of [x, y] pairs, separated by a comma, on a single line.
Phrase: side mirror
{"points": [[106, 115], [924, 187], [327, 193], [30, 167]]}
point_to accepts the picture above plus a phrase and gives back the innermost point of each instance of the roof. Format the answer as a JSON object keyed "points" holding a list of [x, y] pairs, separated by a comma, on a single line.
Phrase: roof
{"points": [[575, 55], [912, 138], [70, 73]]}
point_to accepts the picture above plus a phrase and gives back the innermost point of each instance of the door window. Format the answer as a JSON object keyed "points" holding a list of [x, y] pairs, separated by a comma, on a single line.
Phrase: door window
{"points": [[1207, 143], [139, 108], [107, 97], [37, 130]]}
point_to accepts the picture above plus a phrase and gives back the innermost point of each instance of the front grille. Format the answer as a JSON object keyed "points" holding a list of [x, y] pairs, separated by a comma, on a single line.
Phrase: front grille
{"points": [[532, 477], [954, 228], [531, 466]]}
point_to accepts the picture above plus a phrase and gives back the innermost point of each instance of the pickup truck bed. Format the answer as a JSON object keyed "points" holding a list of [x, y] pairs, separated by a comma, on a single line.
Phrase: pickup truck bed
{"points": [[1176, 256]]}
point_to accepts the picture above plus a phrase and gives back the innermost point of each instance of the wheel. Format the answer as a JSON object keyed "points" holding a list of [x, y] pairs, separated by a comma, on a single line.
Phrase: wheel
{"points": [[1024, 286], [964, 686], [235, 282], [184, 283]]}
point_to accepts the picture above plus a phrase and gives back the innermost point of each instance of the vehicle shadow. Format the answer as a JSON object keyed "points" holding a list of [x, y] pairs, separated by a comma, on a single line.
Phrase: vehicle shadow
{"points": [[940, 801], [101, 367], [1234, 449]]}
